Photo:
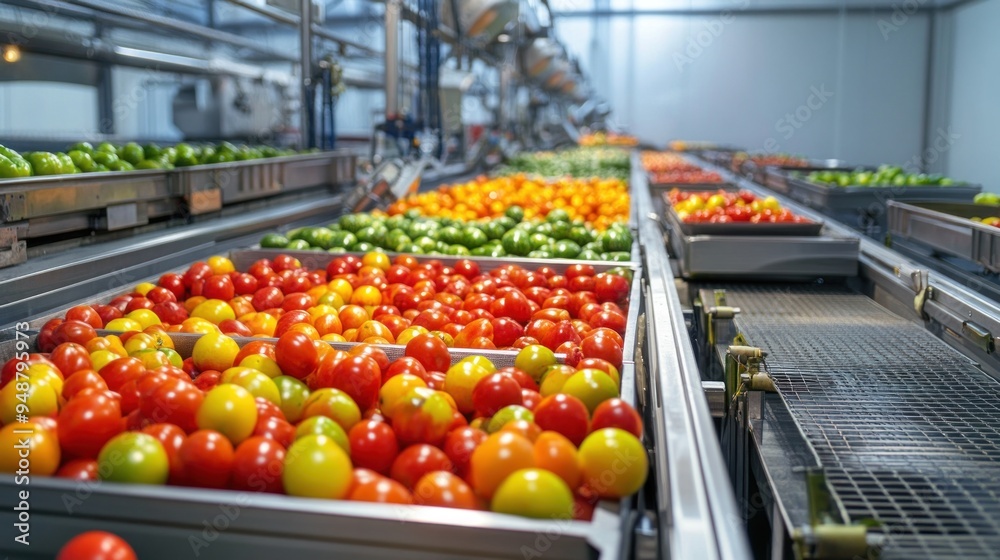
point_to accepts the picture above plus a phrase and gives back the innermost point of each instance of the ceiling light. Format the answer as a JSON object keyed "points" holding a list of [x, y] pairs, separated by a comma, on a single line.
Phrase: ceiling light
{"points": [[11, 53]]}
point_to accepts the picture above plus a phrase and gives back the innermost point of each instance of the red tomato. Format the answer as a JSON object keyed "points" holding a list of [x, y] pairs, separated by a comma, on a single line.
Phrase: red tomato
{"points": [[530, 399], [160, 294], [358, 376], [85, 314], [405, 364], [290, 318], [86, 423], [171, 312], [380, 490], [522, 378], [118, 372], [267, 409], [579, 270], [267, 298], [243, 283], [173, 282], [373, 446], [79, 469], [258, 464], [444, 489], [285, 262], [207, 459], [296, 355], [73, 331], [513, 305], [467, 268], [70, 357], [218, 286], [140, 302], [565, 414], [603, 347], [172, 438], [197, 271], [174, 403], [430, 351], [262, 347], [373, 352], [278, 429], [494, 392], [207, 380], [460, 444], [611, 287], [609, 319], [505, 331], [107, 313], [297, 301], [416, 461], [616, 413], [83, 379], [562, 332], [578, 300], [96, 545], [557, 281], [479, 328]]}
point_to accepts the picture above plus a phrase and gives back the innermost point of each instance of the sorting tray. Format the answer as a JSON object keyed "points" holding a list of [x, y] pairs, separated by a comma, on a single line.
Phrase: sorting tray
{"points": [[745, 228], [871, 199], [946, 228], [242, 259], [762, 257], [737, 228], [171, 522]]}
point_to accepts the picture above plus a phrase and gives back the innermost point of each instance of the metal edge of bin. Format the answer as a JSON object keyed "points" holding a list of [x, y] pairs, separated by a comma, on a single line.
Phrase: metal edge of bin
{"points": [[165, 522], [16, 193], [860, 197], [947, 233], [603, 533], [699, 516], [242, 259]]}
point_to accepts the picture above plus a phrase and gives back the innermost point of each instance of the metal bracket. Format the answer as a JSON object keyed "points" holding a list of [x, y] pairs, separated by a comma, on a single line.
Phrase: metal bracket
{"points": [[978, 336], [925, 292], [742, 366], [822, 538]]}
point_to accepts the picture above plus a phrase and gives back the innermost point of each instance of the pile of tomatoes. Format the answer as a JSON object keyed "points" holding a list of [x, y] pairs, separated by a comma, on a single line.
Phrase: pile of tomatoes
{"points": [[376, 300], [597, 202], [296, 416], [729, 206], [693, 176], [660, 162]]}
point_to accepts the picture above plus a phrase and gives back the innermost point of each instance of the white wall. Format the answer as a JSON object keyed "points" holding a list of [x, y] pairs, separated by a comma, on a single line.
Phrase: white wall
{"points": [[973, 108], [742, 79]]}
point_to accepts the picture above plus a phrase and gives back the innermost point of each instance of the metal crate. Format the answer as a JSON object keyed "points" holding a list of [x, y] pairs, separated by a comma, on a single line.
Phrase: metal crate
{"points": [[946, 228], [761, 257], [170, 522], [207, 188]]}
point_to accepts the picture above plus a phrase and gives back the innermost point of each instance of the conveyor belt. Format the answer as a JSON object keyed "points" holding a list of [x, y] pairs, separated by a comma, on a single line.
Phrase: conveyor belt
{"points": [[907, 429]]}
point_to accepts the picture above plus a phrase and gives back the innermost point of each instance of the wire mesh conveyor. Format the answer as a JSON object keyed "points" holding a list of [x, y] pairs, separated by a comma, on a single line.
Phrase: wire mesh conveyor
{"points": [[907, 429]]}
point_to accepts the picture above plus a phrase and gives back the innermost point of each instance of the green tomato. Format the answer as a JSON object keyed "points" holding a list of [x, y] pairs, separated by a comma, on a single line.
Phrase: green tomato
{"points": [[323, 426], [507, 414], [133, 457], [534, 359]]}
